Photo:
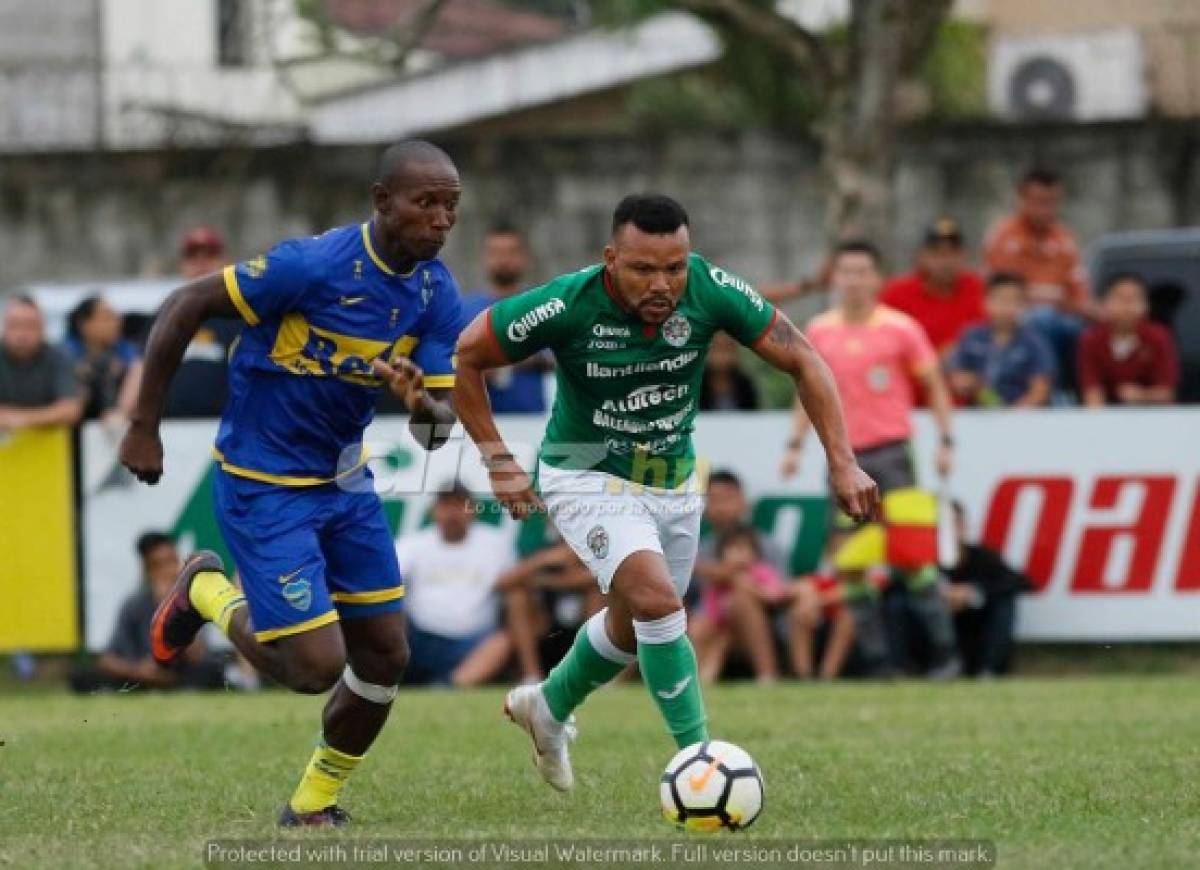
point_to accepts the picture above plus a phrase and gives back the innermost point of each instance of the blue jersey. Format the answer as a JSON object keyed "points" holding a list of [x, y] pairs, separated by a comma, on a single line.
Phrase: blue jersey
{"points": [[318, 311]]}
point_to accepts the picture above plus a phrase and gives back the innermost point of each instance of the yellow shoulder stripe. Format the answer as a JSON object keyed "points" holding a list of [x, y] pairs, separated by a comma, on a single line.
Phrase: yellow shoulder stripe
{"points": [[235, 294]]}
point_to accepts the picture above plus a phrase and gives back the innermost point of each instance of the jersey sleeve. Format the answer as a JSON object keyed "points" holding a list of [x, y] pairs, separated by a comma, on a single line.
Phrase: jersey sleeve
{"points": [[434, 352], [737, 307], [529, 322], [919, 353], [265, 287]]}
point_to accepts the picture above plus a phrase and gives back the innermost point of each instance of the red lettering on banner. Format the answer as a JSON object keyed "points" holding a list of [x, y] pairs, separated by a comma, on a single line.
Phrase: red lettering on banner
{"points": [[1052, 520], [1188, 578], [1146, 532]]}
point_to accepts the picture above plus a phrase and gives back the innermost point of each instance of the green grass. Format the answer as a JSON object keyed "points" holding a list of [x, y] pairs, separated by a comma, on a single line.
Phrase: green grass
{"points": [[1099, 772]]}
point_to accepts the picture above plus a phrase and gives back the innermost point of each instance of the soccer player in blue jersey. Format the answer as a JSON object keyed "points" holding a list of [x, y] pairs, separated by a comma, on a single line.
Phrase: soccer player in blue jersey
{"points": [[329, 321]]}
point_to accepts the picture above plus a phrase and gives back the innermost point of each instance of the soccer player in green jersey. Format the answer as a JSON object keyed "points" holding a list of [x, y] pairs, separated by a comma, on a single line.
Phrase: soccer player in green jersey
{"points": [[615, 470]]}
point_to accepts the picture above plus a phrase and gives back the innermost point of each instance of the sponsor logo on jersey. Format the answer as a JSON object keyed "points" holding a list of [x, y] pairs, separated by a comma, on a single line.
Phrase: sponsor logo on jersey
{"points": [[601, 331], [605, 344], [676, 330], [257, 267], [426, 288], [520, 328], [351, 300], [650, 396], [670, 364], [607, 420], [597, 541], [724, 279]]}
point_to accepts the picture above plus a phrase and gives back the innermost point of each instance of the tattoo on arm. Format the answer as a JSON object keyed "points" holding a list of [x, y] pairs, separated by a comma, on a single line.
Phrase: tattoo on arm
{"points": [[783, 333]]}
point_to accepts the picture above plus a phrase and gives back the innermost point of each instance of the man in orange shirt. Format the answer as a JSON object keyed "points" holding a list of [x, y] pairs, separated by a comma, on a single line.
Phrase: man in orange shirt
{"points": [[1035, 244], [875, 354]]}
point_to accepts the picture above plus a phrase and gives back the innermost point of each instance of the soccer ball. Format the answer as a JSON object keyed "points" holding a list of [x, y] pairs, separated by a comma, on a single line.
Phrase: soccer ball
{"points": [[712, 785]]}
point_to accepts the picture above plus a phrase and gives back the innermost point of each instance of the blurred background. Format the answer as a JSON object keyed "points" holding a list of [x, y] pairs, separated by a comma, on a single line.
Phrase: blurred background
{"points": [[147, 141]]}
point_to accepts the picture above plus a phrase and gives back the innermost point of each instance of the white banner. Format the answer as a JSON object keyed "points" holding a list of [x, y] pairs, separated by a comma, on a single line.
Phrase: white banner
{"points": [[1101, 508]]}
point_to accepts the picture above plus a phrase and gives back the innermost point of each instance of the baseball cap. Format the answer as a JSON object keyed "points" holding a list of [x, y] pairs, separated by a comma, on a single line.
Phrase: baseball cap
{"points": [[202, 239], [944, 230]]}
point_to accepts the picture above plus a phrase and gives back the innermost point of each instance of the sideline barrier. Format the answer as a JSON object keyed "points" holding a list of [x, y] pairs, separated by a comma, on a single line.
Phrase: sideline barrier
{"points": [[1102, 508], [38, 590]]}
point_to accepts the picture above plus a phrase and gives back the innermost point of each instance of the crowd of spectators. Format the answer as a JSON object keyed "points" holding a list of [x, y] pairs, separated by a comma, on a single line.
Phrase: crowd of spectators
{"points": [[1023, 330]]}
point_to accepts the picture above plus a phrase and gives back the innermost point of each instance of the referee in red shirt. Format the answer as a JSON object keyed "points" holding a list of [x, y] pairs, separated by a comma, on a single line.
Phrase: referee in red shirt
{"points": [[941, 293]]}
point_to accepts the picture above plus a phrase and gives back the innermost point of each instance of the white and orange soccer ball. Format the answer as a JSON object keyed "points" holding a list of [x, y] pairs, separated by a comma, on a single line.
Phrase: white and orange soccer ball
{"points": [[712, 786]]}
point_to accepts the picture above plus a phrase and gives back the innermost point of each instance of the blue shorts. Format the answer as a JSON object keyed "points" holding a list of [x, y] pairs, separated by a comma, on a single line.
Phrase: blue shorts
{"points": [[434, 657], [307, 554]]}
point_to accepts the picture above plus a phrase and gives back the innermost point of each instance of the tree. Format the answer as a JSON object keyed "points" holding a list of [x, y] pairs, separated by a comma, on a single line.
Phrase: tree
{"points": [[854, 75]]}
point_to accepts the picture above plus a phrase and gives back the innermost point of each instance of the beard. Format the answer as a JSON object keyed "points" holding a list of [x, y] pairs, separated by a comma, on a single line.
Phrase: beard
{"points": [[505, 277]]}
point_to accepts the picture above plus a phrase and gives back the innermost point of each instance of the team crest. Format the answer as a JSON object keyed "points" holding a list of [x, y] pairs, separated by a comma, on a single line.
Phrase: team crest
{"points": [[298, 594], [597, 541], [676, 330], [257, 267]]}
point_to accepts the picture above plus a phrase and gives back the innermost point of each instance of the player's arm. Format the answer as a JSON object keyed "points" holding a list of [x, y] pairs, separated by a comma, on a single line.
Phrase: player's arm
{"points": [[479, 352], [785, 347], [431, 410], [938, 397], [174, 327]]}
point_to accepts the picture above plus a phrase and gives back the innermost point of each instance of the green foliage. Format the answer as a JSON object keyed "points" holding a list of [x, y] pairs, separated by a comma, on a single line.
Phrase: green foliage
{"points": [[956, 70]]}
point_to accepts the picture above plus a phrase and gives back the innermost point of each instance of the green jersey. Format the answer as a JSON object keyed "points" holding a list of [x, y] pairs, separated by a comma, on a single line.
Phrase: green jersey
{"points": [[628, 391]]}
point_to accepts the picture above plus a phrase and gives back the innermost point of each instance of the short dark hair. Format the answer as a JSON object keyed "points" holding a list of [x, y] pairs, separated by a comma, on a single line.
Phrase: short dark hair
{"points": [[859, 246], [652, 213], [80, 314], [396, 159], [453, 490], [1005, 279], [725, 475], [148, 542], [1121, 278], [505, 227], [1042, 176], [23, 299], [739, 534]]}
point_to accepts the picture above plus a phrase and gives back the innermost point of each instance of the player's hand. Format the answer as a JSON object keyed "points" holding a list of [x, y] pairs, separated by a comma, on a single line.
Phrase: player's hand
{"points": [[789, 467], [404, 380], [856, 494], [943, 461], [514, 489], [142, 453]]}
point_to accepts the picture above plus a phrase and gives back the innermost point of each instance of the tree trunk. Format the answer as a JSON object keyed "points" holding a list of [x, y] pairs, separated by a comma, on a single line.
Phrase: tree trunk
{"points": [[858, 133]]}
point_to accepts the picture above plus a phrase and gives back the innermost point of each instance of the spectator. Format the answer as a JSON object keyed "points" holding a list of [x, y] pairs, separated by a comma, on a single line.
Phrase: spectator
{"points": [[748, 581], [199, 388], [127, 659], [1034, 243], [1127, 359], [875, 355], [548, 596], [725, 387], [824, 626], [108, 367], [941, 293], [451, 571], [725, 511], [517, 389], [983, 592], [38, 386], [1002, 362]]}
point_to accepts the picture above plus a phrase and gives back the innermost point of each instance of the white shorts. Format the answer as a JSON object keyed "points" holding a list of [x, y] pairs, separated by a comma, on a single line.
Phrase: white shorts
{"points": [[605, 518]]}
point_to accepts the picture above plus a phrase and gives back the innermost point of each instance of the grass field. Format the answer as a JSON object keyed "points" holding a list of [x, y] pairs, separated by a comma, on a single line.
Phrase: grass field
{"points": [[1096, 772]]}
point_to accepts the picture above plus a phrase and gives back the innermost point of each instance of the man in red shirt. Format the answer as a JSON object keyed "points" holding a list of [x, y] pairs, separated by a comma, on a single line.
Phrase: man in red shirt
{"points": [[941, 293], [1126, 359]]}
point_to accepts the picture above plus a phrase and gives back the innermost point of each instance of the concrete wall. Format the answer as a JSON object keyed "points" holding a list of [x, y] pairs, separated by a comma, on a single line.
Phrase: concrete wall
{"points": [[756, 199]]}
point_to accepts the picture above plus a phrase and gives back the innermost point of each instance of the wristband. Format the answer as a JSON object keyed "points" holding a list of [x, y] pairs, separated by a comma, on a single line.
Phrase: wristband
{"points": [[495, 460], [947, 440]]}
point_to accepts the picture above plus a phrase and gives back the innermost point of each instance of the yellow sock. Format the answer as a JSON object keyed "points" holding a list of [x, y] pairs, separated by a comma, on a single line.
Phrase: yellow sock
{"points": [[215, 598], [324, 777]]}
